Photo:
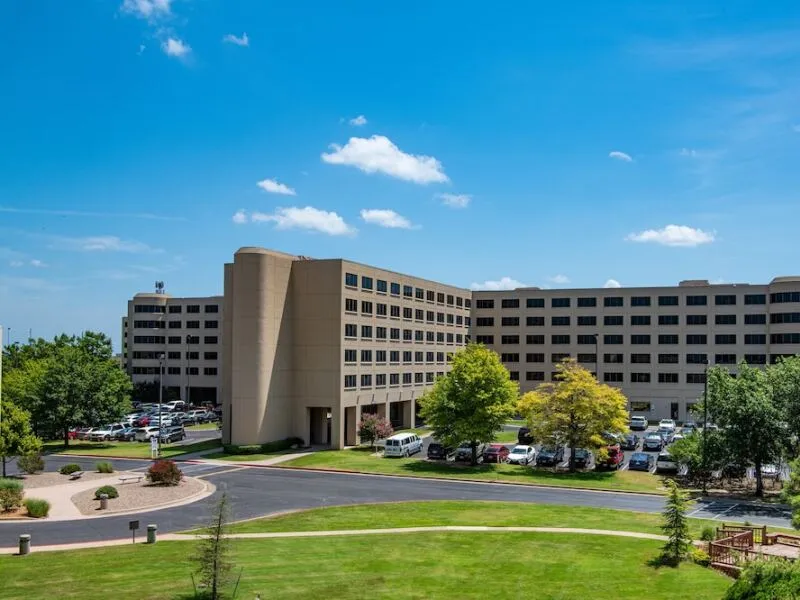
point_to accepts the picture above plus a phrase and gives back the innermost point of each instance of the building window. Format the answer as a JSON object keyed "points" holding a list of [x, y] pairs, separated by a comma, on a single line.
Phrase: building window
{"points": [[192, 308], [394, 311], [696, 339], [587, 302], [209, 370], [210, 339], [429, 357], [667, 319], [640, 406], [350, 330], [170, 355], [459, 320], [559, 321], [696, 319], [587, 358], [668, 359], [380, 286], [696, 301], [430, 296], [394, 333], [366, 307], [509, 321], [613, 301], [380, 309], [439, 337], [209, 356], [192, 324], [612, 377], [408, 335], [419, 294], [175, 309], [394, 356], [751, 339], [667, 339], [192, 370], [725, 338], [784, 338], [419, 335], [640, 339], [640, 377], [534, 303], [459, 301], [509, 339], [211, 324], [190, 339], [366, 356], [609, 340], [667, 378], [486, 303], [792, 317], [534, 358], [440, 357], [430, 337], [394, 289], [557, 357], [406, 378], [534, 339], [211, 308], [755, 319], [350, 356], [148, 308], [419, 378], [695, 378], [509, 303], [440, 317], [366, 282], [380, 333], [559, 302], [613, 358], [408, 313], [755, 359], [174, 324], [509, 357], [640, 300], [612, 320], [419, 315], [534, 321], [640, 359], [755, 298], [350, 305], [429, 377], [559, 339], [725, 320], [640, 320], [174, 371], [394, 378], [775, 358], [696, 359], [587, 321], [366, 381], [407, 356], [380, 380], [408, 291], [192, 356], [668, 301], [534, 375], [725, 299], [419, 357], [587, 339], [725, 359], [351, 280], [439, 297]]}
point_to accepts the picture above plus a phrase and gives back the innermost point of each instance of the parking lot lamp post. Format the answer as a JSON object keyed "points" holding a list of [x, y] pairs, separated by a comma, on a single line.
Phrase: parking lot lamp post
{"points": [[160, 397], [705, 428], [596, 356], [188, 370]]}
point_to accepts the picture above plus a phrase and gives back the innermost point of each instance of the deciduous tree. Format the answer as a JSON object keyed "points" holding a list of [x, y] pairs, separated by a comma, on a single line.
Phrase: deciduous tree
{"points": [[471, 402], [372, 428], [16, 436]]}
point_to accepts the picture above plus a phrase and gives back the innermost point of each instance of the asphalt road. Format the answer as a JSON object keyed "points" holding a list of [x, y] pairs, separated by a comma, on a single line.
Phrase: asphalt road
{"points": [[260, 491]]}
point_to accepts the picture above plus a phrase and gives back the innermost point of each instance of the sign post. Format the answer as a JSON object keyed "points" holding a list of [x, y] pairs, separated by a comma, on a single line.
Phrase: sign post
{"points": [[133, 526], [154, 447]]}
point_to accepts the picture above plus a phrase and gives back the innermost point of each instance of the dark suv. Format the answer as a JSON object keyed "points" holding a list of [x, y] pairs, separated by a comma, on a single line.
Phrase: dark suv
{"points": [[438, 451], [464, 452], [524, 437], [550, 456]]}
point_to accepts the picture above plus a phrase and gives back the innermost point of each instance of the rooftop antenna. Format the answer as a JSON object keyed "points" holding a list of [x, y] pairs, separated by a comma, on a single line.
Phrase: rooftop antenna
{"points": [[159, 287]]}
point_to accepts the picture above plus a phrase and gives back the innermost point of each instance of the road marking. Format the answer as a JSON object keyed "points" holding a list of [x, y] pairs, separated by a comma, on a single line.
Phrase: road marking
{"points": [[231, 470], [702, 508], [724, 512]]}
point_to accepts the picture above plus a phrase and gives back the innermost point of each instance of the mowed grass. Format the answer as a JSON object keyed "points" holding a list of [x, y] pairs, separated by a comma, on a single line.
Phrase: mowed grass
{"points": [[506, 437], [202, 427], [126, 449], [462, 512], [246, 457], [396, 567], [365, 461]]}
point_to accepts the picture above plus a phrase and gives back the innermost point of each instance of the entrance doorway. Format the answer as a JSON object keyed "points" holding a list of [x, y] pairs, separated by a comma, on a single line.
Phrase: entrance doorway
{"points": [[319, 426], [674, 411]]}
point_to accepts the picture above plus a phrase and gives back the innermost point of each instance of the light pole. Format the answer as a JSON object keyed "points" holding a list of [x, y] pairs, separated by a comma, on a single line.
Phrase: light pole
{"points": [[705, 427], [160, 397], [597, 356], [188, 370]]}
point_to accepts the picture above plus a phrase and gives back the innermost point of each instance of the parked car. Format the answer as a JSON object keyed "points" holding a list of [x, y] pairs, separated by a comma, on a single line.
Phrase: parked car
{"points": [[524, 436], [522, 455], [688, 428], [83, 433], [464, 452], [126, 434], [770, 471], [141, 421], [666, 464], [143, 434], [666, 424], [495, 453], [640, 461], [630, 442], [550, 456], [195, 416], [402, 444], [72, 433], [653, 441], [583, 458], [129, 419], [666, 434], [172, 434], [638, 423], [615, 458], [438, 451], [105, 433], [675, 437]]}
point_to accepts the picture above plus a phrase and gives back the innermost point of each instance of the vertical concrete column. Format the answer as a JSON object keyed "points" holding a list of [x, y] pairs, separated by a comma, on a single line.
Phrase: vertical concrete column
{"points": [[337, 427], [408, 413], [350, 423]]}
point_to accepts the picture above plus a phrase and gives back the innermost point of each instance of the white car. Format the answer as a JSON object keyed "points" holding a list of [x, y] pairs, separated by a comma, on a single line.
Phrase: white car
{"points": [[143, 434], [522, 455], [638, 422], [666, 424], [665, 463], [105, 433]]}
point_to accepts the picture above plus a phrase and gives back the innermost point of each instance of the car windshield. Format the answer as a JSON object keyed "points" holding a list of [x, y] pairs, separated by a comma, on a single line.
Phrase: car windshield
{"points": [[653, 435], [519, 450], [639, 456]]}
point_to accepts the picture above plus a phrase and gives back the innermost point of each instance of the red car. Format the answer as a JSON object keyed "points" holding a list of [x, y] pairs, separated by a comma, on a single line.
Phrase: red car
{"points": [[495, 453], [615, 458]]}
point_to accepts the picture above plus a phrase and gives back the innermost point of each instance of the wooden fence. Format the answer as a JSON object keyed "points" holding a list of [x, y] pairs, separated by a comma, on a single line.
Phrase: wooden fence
{"points": [[759, 532], [732, 550]]}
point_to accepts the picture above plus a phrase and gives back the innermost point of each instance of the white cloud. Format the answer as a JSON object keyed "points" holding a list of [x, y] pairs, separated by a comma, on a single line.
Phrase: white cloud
{"points": [[147, 9], [175, 47], [35, 262], [612, 283], [16, 264], [273, 187], [358, 121], [620, 156], [559, 279], [455, 200], [240, 217], [689, 152], [385, 218], [238, 41], [673, 235], [102, 243], [504, 283], [378, 154], [309, 218], [142, 48]]}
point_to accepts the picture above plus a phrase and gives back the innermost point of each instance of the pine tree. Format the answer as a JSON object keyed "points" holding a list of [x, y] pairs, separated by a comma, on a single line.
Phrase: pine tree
{"points": [[213, 554], [675, 526]]}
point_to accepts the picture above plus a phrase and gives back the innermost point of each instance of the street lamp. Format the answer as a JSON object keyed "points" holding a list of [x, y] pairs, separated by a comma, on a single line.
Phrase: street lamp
{"points": [[160, 397], [188, 369], [596, 356], [705, 427]]}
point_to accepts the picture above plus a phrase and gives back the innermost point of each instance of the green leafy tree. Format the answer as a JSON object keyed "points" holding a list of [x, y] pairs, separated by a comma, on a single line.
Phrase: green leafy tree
{"points": [[688, 452], [784, 381], [791, 492], [16, 436], [575, 410], [675, 526], [213, 558], [769, 579], [471, 402]]}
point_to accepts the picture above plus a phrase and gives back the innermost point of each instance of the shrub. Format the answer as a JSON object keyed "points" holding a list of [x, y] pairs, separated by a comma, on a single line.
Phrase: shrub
{"points": [[10, 494], [37, 508], [708, 534], [104, 467], [31, 463], [164, 472], [372, 428], [108, 490], [767, 578], [69, 469], [280, 445], [700, 557]]}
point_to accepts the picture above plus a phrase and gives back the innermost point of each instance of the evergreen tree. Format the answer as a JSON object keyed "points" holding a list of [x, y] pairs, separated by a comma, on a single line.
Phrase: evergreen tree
{"points": [[213, 553], [675, 526]]}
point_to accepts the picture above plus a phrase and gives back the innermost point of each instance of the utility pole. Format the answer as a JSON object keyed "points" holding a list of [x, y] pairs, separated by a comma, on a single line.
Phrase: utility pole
{"points": [[705, 428], [160, 398]]}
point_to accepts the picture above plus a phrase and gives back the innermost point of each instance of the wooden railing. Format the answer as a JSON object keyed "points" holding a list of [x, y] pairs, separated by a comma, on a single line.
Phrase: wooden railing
{"points": [[786, 539], [732, 550], [759, 532]]}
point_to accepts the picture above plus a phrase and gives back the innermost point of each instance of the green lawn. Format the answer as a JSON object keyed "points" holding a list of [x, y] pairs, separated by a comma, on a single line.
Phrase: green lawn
{"points": [[517, 422], [406, 566], [506, 437], [246, 457], [126, 449], [358, 459], [202, 427]]}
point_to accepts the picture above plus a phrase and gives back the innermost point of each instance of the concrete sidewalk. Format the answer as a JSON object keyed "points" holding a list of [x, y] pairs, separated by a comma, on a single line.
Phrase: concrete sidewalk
{"points": [[60, 496], [266, 462]]}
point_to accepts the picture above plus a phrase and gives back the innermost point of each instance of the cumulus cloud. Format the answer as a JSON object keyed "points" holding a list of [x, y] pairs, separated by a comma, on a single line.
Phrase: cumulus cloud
{"points": [[559, 279], [237, 41], [673, 235], [385, 218], [504, 283], [273, 187], [612, 283], [147, 9], [358, 121], [377, 154], [101, 243], [620, 156], [35, 262], [239, 217], [175, 47], [455, 200], [308, 218]]}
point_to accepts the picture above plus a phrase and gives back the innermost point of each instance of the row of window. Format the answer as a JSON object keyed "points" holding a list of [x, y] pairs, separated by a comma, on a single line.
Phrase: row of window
{"points": [[211, 371], [644, 339], [174, 324], [174, 339], [380, 379], [408, 335], [174, 308], [638, 320], [383, 287], [350, 356], [691, 359], [394, 310], [155, 354], [618, 301]]}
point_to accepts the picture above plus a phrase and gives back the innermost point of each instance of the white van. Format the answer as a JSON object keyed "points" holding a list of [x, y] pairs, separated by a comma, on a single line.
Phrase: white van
{"points": [[403, 444]]}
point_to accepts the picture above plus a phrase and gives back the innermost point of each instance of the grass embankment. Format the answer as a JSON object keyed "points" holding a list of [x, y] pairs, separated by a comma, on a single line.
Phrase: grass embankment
{"points": [[126, 449], [430, 565], [247, 457], [203, 427], [366, 461]]}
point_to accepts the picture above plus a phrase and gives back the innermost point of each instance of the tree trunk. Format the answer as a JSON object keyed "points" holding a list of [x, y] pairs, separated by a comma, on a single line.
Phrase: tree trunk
{"points": [[474, 461], [759, 480], [66, 437], [4, 466], [572, 458]]}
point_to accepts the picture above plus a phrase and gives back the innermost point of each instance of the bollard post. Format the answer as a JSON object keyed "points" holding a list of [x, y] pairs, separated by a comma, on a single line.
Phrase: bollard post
{"points": [[103, 501], [151, 533], [24, 544]]}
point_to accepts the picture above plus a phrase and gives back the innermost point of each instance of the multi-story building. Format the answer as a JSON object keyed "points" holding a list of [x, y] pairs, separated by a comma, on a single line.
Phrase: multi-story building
{"points": [[187, 332], [654, 342], [311, 345]]}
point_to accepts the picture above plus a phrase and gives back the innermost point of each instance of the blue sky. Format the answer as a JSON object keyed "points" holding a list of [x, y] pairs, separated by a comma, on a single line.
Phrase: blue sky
{"points": [[551, 144]]}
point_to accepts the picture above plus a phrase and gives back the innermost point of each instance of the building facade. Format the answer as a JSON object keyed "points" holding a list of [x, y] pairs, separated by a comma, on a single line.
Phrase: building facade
{"points": [[311, 345], [651, 342], [187, 332]]}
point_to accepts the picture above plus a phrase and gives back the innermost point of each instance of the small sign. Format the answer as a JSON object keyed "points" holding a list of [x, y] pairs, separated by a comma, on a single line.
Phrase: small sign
{"points": [[133, 525]]}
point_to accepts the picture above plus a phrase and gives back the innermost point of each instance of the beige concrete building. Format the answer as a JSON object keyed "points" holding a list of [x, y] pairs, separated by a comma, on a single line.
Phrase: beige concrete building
{"points": [[187, 332], [651, 342], [311, 345]]}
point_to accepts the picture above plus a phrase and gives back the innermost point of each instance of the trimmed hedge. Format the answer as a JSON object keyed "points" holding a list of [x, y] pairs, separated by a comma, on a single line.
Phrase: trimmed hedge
{"points": [[108, 490], [104, 467], [31, 463], [10, 494], [164, 472], [69, 469], [276, 446], [37, 508]]}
